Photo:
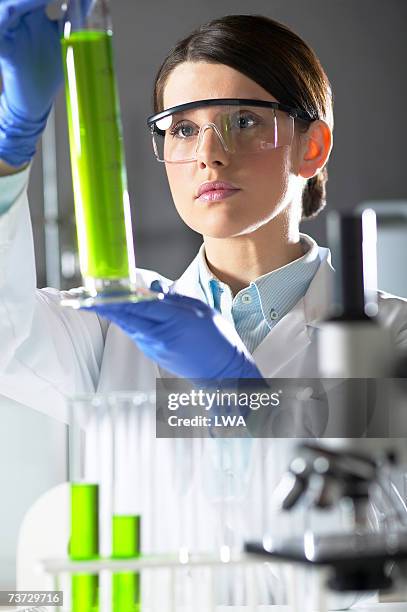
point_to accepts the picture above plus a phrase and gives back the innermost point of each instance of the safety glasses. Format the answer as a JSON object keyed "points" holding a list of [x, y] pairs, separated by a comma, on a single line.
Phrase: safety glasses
{"points": [[243, 126]]}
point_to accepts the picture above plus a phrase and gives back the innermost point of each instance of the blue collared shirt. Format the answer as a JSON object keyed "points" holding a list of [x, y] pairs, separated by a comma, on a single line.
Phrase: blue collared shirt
{"points": [[256, 309]]}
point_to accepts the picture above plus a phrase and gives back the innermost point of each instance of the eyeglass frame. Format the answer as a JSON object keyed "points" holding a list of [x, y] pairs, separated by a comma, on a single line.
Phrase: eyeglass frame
{"points": [[295, 113]]}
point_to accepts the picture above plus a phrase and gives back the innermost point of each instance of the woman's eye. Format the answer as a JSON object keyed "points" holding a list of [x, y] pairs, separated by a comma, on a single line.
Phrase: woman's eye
{"points": [[182, 130], [244, 121]]}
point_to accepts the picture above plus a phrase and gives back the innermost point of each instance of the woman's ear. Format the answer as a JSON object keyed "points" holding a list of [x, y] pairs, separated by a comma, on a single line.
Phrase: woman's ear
{"points": [[317, 145]]}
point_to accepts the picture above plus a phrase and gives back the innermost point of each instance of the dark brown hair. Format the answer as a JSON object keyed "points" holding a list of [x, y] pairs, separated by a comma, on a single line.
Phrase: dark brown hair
{"points": [[275, 58]]}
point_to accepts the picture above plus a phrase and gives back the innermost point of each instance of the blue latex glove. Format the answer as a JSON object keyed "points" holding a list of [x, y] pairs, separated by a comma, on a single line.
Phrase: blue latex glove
{"points": [[31, 70], [185, 336]]}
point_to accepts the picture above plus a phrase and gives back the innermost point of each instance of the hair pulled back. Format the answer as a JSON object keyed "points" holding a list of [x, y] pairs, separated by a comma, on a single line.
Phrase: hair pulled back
{"points": [[273, 56]]}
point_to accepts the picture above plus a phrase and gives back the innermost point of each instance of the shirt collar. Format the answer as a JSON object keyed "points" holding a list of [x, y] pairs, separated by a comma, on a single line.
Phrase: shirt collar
{"points": [[278, 290]]}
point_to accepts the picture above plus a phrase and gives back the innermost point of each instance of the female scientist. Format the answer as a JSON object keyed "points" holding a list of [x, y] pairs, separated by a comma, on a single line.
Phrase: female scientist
{"points": [[243, 121]]}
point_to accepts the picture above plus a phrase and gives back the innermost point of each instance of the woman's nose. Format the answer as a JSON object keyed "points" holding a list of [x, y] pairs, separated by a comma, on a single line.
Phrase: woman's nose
{"points": [[211, 150]]}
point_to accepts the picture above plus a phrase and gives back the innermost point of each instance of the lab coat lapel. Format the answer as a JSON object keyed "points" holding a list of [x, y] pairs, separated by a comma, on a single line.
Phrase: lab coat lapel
{"points": [[284, 341], [294, 333], [188, 284]]}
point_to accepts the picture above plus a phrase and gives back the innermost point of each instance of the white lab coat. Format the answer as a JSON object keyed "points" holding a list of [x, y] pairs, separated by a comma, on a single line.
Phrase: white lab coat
{"points": [[49, 353]]}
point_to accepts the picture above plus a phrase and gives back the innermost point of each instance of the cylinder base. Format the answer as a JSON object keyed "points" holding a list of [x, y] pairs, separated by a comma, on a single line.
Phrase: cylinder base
{"points": [[107, 292]]}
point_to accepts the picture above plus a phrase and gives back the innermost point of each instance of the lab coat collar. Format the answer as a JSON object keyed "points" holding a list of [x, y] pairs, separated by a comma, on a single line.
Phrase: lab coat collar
{"points": [[317, 301]]}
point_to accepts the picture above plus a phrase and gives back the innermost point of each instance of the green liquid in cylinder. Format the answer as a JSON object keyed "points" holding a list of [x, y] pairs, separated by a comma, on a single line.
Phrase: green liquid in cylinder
{"points": [[126, 545], [97, 158], [84, 544]]}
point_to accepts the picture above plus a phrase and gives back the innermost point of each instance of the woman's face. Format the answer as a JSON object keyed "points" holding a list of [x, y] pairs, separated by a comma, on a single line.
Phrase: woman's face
{"points": [[268, 182]]}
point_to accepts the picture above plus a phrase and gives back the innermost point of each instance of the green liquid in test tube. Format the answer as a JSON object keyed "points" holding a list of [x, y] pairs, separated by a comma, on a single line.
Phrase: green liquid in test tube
{"points": [[126, 545], [84, 544], [99, 176]]}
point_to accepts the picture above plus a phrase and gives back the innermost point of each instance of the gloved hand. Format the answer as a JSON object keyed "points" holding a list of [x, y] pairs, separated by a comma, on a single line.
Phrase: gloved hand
{"points": [[185, 336], [31, 70]]}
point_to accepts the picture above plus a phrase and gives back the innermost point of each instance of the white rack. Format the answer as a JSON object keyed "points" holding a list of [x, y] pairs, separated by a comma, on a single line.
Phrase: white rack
{"points": [[173, 569]]}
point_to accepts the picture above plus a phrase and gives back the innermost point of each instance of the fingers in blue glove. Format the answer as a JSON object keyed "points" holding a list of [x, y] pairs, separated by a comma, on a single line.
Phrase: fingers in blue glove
{"points": [[12, 10], [160, 310], [164, 329], [131, 320]]}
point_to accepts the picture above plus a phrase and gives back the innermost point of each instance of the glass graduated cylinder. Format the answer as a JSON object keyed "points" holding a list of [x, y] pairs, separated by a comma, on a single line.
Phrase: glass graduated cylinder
{"points": [[102, 207]]}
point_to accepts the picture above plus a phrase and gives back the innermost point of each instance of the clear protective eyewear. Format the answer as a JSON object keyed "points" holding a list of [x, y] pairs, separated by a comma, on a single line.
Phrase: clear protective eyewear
{"points": [[243, 126]]}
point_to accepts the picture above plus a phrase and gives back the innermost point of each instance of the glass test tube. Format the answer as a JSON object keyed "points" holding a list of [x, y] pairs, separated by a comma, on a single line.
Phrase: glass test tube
{"points": [[226, 477], [102, 206], [186, 584], [86, 467], [129, 491]]}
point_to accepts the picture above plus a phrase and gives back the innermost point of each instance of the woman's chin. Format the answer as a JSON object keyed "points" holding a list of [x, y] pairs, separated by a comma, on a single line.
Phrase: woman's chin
{"points": [[221, 222], [220, 230]]}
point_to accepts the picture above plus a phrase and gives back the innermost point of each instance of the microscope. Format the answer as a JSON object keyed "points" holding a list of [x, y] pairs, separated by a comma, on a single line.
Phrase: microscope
{"points": [[357, 466]]}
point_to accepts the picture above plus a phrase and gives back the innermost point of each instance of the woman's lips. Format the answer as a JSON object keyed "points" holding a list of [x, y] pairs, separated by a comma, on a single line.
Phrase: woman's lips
{"points": [[216, 191], [215, 195]]}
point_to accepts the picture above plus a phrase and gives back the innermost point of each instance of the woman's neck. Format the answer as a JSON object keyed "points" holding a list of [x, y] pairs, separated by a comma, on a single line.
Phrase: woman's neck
{"points": [[239, 260]]}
